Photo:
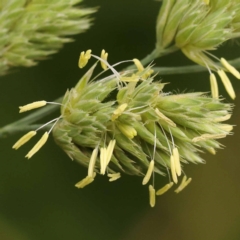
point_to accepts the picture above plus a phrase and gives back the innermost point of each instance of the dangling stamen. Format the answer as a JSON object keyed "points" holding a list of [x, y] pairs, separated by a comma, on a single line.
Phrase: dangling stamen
{"points": [[104, 56], [92, 162], [183, 184], [114, 176], [38, 145], [149, 173], [31, 106], [173, 169], [164, 189], [152, 196], [84, 57], [25, 138], [84, 182], [214, 86], [230, 68]]}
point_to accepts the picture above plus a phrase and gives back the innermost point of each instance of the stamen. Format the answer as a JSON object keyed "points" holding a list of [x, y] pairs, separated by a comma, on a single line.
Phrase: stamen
{"points": [[212, 150], [109, 151], [183, 184], [118, 112], [164, 189], [226, 127], [149, 173], [164, 118], [133, 78], [92, 162], [83, 59], [227, 84], [214, 86], [152, 196], [25, 138], [177, 161], [104, 56], [31, 106], [209, 136], [103, 156], [84, 182], [114, 176], [230, 68], [222, 119], [38, 145], [173, 170], [138, 64], [127, 130]]}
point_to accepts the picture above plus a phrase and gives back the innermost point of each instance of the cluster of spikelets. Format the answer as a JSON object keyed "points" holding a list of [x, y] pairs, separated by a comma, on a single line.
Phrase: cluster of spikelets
{"points": [[33, 29], [125, 123], [197, 27]]}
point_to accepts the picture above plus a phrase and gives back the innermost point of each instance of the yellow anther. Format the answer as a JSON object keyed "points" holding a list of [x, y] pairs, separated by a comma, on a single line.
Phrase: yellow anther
{"points": [[164, 118], [205, 137], [138, 64], [84, 182], [164, 189], [119, 111], [132, 78], [211, 150], [177, 161], [127, 130], [152, 196], [38, 145], [183, 184], [222, 119], [104, 56], [92, 162], [173, 170], [109, 152], [230, 68], [206, 2], [83, 59], [114, 176], [31, 106], [226, 127], [149, 173], [25, 138], [227, 84], [214, 86]]}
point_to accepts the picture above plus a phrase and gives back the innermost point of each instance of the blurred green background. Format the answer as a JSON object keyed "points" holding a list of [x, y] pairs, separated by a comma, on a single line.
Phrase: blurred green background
{"points": [[38, 199]]}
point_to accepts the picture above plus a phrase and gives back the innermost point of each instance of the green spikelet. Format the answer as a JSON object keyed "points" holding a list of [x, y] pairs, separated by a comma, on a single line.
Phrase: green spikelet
{"points": [[32, 30], [150, 121]]}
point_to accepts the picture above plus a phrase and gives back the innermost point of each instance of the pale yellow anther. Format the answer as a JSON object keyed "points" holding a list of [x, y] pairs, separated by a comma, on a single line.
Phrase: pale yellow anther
{"points": [[177, 161], [31, 106], [138, 64], [222, 119], [173, 169], [25, 138], [109, 152], [103, 160], [92, 162], [212, 150], [118, 112], [206, 2], [104, 56], [152, 196], [84, 182], [227, 84], [230, 68], [132, 78], [226, 127], [214, 86], [114, 176], [183, 184], [164, 118], [164, 189], [127, 130], [38, 145], [206, 136], [83, 59], [105, 156], [149, 173]]}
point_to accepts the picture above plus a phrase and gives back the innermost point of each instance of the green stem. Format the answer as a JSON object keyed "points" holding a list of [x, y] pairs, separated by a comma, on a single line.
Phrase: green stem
{"points": [[190, 69]]}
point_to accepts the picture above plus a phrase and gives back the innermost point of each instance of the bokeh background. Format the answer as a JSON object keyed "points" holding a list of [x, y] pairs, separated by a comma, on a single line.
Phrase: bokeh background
{"points": [[38, 199]]}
